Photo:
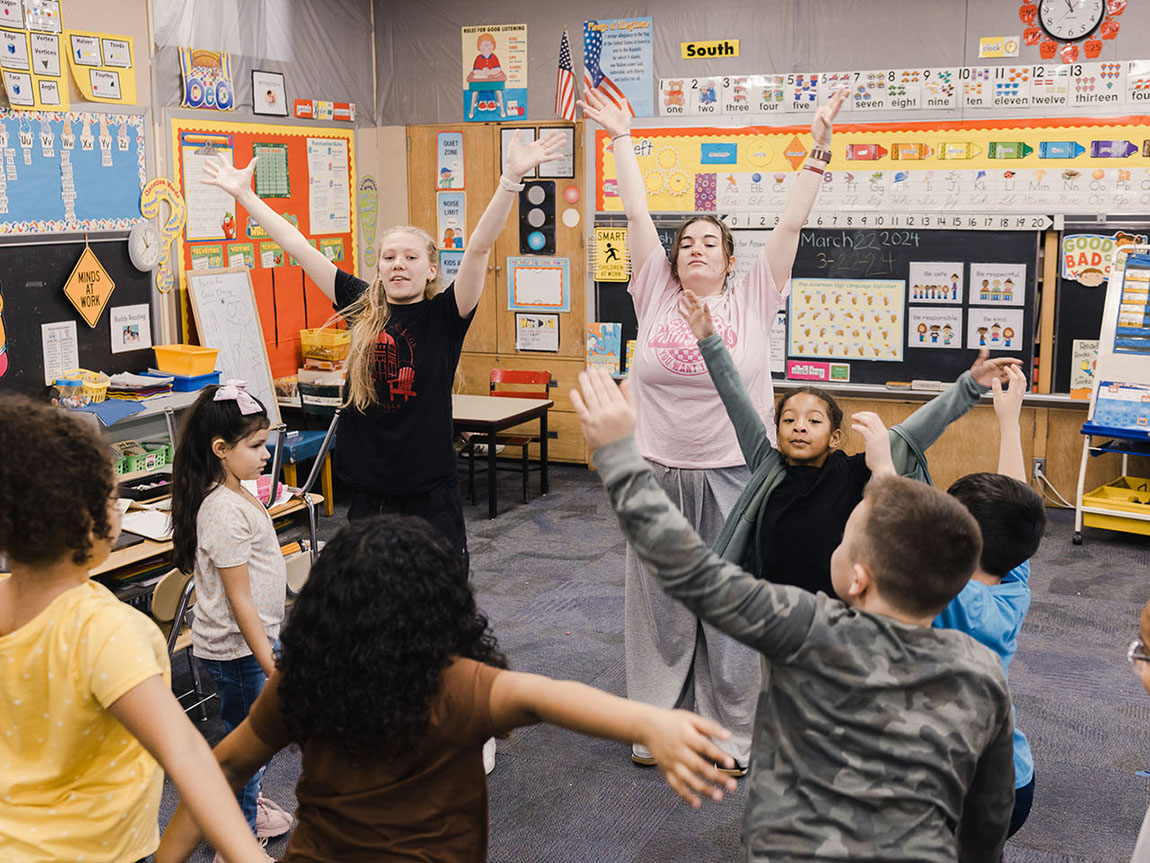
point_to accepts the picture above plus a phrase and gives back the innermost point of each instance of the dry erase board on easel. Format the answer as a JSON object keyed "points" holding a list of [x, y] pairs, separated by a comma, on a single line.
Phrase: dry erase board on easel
{"points": [[884, 267], [227, 318]]}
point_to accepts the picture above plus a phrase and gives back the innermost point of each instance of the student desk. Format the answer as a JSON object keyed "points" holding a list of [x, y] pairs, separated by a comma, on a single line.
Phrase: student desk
{"points": [[490, 415], [149, 549]]}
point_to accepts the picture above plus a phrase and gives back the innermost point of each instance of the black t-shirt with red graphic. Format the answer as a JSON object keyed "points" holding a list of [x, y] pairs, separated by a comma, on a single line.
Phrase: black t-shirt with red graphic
{"points": [[403, 444]]}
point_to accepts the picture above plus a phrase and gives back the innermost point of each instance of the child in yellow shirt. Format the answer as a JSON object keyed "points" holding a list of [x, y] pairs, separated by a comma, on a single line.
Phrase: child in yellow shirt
{"points": [[86, 708]]}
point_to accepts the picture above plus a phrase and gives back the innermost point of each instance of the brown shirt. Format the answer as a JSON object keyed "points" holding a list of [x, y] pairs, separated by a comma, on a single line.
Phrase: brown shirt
{"points": [[429, 805]]}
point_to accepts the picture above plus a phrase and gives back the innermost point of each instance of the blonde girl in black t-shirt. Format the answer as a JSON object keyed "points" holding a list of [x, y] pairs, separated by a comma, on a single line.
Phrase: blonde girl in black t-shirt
{"points": [[394, 442]]}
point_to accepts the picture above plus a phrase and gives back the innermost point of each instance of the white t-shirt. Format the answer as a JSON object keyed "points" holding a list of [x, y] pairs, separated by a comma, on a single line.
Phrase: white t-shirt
{"points": [[231, 531], [682, 422]]}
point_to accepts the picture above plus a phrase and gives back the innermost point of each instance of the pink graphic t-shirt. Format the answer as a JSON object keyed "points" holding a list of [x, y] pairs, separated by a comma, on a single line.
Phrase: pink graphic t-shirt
{"points": [[682, 421]]}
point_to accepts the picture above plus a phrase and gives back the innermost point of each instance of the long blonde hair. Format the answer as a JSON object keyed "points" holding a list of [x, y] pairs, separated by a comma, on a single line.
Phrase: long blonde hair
{"points": [[367, 317]]}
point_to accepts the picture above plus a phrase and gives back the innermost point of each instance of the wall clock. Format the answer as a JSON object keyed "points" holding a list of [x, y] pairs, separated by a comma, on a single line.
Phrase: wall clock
{"points": [[1063, 28], [1070, 20]]}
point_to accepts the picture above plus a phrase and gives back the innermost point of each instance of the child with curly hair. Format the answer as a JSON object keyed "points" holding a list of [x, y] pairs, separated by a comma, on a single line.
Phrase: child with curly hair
{"points": [[390, 681], [85, 785], [223, 534]]}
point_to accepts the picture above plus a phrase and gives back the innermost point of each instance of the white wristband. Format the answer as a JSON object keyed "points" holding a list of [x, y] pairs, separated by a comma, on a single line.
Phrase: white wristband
{"points": [[510, 185]]}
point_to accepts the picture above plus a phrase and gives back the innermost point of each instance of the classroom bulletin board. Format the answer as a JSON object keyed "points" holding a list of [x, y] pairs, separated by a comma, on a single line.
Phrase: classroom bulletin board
{"points": [[1074, 165], [70, 171], [306, 174]]}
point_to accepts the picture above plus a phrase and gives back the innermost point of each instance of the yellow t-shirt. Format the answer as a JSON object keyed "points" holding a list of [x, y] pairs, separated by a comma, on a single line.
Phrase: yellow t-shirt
{"points": [[74, 783]]}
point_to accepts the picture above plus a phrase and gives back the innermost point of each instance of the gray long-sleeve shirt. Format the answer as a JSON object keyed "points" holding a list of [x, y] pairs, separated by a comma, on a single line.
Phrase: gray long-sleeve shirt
{"points": [[874, 740]]}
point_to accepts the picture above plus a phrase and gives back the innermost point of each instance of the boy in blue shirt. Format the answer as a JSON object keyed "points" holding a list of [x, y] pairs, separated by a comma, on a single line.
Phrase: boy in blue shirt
{"points": [[994, 602]]}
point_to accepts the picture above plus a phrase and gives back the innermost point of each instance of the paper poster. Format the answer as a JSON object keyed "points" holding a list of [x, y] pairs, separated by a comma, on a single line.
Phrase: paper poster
{"points": [[998, 284], [562, 166], [997, 329], [846, 318], [1083, 360], [605, 345], [612, 259], [14, 50], [131, 328], [451, 212], [367, 202], [207, 257], [84, 49], [105, 85], [61, 349], [45, 54], [936, 281], [211, 212], [449, 172], [332, 248], [1086, 258], [12, 13], [20, 91], [242, 255], [117, 51], [271, 256], [933, 327], [270, 177], [535, 332], [536, 284], [617, 60], [329, 189], [207, 79], [449, 266], [494, 72], [42, 15]]}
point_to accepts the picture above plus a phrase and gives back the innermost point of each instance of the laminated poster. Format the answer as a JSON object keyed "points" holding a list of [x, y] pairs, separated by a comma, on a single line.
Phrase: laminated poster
{"points": [[535, 332], [998, 284], [934, 327], [131, 328], [329, 189], [494, 65], [936, 282], [997, 329], [451, 211], [854, 319]]}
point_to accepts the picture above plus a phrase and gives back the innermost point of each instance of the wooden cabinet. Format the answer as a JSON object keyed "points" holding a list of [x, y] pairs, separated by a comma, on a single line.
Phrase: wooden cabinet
{"points": [[491, 339]]}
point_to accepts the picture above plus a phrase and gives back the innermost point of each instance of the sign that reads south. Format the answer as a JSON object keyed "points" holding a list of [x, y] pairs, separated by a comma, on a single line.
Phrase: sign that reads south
{"points": [[89, 287]]}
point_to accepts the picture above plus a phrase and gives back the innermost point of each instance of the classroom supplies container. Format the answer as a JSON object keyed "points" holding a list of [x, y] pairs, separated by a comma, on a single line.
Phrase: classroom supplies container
{"points": [[189, 360], [1127, 494], [133, 456], [144, 489], [70, 392], [93, 385], [324, 343], [193, 383]]}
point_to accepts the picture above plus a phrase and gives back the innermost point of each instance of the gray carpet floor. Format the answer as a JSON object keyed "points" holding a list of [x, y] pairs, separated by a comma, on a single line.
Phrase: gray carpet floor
{"points": [[550, 576]]}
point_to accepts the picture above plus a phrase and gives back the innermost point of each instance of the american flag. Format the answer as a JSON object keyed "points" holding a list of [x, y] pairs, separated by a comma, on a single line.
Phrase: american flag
{"points": [[565, 82], [593, 77]]}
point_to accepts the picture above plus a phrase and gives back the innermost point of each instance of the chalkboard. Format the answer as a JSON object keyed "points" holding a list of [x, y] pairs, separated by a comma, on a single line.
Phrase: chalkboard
{"points": [[32, 277], [224, 305], [868, 263]]}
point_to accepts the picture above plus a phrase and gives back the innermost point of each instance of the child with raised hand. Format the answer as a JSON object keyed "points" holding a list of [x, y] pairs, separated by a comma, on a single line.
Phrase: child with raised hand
{"points": [[390, 681], [395, 439], [879, 737], [222, 534], [86, 706], [1139, 656], [792, 513], [993, 604]]}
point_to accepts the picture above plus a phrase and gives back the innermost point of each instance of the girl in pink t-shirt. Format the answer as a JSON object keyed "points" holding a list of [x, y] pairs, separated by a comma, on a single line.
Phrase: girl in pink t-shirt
{"points": [[673, 659]]}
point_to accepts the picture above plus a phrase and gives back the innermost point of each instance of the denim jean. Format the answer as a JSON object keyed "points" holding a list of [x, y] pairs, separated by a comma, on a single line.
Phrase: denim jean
{"points": [[239, 682]]}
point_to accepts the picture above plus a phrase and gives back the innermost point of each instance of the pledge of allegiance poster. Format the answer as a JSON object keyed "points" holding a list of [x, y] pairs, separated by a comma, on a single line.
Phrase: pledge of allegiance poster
{"points": [[494, 72], [626, 58]]}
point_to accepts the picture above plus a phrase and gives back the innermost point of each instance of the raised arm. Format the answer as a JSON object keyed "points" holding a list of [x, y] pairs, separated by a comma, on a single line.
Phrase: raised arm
{"points": [[877, 440], [783, 242], [521, 158], [680, 741], [238, 183], [910, 438], [772, 619], [641, 233], [749, 427], [1008, 408]]}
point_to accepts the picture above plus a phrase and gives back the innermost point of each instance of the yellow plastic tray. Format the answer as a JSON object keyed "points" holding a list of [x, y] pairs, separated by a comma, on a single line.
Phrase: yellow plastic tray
{"points": [[1127, 494]]}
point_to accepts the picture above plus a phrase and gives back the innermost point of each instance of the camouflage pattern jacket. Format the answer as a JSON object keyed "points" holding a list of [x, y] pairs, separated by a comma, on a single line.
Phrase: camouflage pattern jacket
{"points": [[874, 740]]}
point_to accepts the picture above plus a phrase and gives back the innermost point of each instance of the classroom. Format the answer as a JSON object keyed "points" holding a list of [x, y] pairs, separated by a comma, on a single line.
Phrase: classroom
{"points": [[558, 393]]}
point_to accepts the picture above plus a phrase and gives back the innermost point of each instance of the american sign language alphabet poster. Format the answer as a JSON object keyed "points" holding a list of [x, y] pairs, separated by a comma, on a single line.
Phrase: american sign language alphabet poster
{"points": [[855, 319]]}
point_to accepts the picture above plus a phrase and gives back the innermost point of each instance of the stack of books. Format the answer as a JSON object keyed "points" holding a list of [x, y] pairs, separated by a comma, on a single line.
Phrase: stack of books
{"points": [[130, 387]]}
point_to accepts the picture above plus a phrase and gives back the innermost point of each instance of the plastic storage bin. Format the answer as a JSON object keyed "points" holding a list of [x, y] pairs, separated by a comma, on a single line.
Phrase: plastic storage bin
{"points": [[322, 343], [188, 360], [93, 385], [1127, 494], [134, 456]]}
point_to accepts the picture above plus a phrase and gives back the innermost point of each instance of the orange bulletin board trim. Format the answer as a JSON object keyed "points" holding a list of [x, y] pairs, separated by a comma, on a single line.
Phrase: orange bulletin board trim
{"points": [[287, 299]]}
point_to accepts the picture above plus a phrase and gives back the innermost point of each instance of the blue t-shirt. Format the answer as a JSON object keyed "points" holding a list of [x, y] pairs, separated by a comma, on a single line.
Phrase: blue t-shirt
{"points": [[993, 615]]}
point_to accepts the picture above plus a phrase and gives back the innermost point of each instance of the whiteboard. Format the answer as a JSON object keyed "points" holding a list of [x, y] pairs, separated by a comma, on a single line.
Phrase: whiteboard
{"points": [[227, 318]]}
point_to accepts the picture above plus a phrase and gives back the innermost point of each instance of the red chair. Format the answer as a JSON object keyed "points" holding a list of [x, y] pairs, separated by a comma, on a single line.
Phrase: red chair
{"points": [[513, 384]]}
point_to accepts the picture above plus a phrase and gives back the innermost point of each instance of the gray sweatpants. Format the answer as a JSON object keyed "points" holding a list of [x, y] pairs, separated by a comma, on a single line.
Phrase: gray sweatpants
{"points": [[674, 659]]}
